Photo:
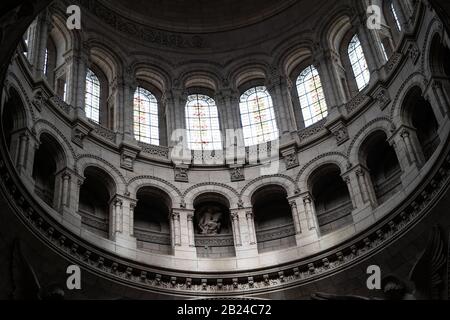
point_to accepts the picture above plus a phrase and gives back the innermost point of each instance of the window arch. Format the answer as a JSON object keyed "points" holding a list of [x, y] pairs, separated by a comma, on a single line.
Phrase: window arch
{"points": [[311, 96], [202, 123], [258, 116], [146, 117], [358, 63], [92, 104]]}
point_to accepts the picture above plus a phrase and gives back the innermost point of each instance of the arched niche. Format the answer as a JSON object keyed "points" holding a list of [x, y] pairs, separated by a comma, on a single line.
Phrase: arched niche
{"points": [[151, 221], [213, 231], [333, 205], [419, 114], [439, 57], [274, 224], [96, 194], [14, 117], [379, 157], [49, 160]]}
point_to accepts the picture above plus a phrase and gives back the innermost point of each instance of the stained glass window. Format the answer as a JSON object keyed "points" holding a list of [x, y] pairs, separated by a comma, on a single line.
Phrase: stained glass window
{"points": [[202, 123], [258, 117], [394, 14], [92, 102], [146, 119], [359, 63], [312, 98]]}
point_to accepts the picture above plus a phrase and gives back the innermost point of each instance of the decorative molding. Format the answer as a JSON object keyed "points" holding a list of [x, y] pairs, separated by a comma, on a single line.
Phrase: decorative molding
{"points": [[181, 174], [103, 132], [60, 104], [357, 102], [142, 32], [237, 173], [316, 128]]}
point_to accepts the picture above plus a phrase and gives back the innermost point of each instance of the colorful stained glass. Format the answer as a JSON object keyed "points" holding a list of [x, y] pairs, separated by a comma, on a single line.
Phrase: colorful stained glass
{"points": [[359, 63], [258, 117], [92, 98], [146, 118], [312, 99], [202, 123]]}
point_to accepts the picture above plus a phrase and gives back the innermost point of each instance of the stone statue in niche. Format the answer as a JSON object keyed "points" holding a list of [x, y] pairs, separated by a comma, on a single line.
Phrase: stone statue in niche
{"points": [[210, 220]]}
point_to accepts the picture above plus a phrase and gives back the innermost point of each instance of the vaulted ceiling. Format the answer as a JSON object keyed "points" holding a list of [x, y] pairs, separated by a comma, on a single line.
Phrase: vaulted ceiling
{"points": [[201, 16]]}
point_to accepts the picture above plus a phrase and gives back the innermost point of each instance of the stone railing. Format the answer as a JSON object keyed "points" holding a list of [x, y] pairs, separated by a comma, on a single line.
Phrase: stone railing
{"points": [[103, 132]]}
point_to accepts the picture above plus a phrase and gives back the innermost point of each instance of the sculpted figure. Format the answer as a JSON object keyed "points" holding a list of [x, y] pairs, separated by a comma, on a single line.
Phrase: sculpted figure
{"points": [[210, 220]]}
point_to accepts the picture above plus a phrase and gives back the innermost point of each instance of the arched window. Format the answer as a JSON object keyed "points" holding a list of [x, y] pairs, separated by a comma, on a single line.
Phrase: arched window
{"points": [[146, 119], [202, 123], [312, 99], [258, 117], [359, 63], [92, 105], [395, 15]]}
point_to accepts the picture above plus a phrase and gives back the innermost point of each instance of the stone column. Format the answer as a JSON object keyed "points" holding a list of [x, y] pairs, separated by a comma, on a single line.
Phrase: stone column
{"points": [[277, 86], [176, 233], [191, 231], [413, 147], [365, 184], [24, 142], [67, 196], [123, 89], [306, 224], [77, 61], [296, 218], [251, 227], [409, 156], [133, 205], [123, 222], [182, 231], [331, 83], [116, 218], [236, 229], [310, 213]]}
